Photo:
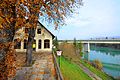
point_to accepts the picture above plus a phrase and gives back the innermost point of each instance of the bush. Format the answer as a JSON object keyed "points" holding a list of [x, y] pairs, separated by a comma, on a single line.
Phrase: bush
{"points": [[97, 64], [81, 54], [69, 51]]}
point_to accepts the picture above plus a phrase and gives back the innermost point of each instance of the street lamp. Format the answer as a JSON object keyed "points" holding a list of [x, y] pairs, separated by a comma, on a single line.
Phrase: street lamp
{"points": [[59, 52]]}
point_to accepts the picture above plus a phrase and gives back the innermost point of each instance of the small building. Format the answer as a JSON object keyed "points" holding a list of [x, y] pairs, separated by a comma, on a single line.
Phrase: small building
{"points": [[43, 40]]}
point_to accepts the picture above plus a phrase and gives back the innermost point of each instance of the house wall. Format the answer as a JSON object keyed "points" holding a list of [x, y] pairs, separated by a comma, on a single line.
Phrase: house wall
{"points": [[44, 35]]}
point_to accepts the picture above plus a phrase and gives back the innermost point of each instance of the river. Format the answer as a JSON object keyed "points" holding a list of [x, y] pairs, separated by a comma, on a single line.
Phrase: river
{"points": [[109, 57]]}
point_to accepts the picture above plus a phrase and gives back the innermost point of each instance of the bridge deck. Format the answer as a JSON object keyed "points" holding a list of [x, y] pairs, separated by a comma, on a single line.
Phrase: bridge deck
{"points": [[109, 41]]}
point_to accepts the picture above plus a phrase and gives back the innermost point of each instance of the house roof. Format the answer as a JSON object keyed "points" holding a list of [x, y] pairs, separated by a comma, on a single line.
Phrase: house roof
{"points": [[46, 29]]}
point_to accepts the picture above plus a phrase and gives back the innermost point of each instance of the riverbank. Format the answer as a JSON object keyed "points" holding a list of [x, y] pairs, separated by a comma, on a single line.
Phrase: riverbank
{"points": [[70, 55], [99, 73]]}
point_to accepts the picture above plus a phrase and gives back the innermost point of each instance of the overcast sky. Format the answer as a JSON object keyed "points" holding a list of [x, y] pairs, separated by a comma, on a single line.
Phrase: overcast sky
{"points": [[97, 18]]}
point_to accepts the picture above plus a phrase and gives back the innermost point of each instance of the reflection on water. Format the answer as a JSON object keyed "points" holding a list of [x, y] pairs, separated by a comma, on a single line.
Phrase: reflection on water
{"points": [[86, 56], [107, 51], [108, 56], [112, 72]]}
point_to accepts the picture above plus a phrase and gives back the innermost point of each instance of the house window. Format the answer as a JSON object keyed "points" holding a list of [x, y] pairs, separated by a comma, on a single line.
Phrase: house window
{"points": [[26, 30], [46, 43], [25, 44], [17, 44], [39, 45], [39, 31]]}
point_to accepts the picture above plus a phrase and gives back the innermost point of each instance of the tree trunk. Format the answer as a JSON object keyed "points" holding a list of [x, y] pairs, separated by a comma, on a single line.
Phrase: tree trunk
{"points": [[31, 32]]}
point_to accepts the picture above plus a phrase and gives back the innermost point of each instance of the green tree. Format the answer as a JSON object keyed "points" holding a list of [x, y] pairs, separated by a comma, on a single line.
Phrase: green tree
{"points": [[55, 43], [75, 43], [75, 46], [79, 48]]}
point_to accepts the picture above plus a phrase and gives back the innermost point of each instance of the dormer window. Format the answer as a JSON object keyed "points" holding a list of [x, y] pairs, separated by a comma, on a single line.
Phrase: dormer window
{"points": [[38, 31]]}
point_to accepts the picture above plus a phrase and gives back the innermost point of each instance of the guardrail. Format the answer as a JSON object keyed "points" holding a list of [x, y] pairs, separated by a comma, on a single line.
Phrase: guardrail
{"points": [[57, 68]]}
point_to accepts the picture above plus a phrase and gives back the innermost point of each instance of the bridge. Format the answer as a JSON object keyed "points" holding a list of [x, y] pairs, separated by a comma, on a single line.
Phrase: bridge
{"points": [[87, 43], [108, 41]]}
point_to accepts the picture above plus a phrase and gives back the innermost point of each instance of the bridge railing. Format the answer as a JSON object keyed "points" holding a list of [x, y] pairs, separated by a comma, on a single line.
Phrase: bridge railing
{"points": [[57, 68]]}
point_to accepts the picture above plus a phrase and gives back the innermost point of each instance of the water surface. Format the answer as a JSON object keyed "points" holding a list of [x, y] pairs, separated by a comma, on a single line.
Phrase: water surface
{"points": [[108, 56]]}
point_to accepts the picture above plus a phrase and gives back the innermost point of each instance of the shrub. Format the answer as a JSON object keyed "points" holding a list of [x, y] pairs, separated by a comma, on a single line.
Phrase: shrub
{"points": [[81, 54], [97, 64]]}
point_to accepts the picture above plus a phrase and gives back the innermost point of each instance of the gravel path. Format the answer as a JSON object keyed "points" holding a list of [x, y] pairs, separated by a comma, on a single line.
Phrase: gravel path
{"points": [[89, 73], [42, 69]]}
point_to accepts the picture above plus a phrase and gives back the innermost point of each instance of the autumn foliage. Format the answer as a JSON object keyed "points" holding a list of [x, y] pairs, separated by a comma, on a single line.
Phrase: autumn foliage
{"points": [[15, 14]]}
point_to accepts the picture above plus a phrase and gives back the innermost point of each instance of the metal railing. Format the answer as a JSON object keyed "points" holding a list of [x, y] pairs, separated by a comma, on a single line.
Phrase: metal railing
{"points": [[57, 68]]}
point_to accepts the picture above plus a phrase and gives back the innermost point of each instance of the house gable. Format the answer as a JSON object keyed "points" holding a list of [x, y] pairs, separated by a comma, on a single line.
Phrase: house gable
{"points": [[42, 40], [44, 28]]}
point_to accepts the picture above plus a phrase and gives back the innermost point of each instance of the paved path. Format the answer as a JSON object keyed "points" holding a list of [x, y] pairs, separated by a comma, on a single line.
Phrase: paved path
{"points": [[42, 69], [89, 73]]}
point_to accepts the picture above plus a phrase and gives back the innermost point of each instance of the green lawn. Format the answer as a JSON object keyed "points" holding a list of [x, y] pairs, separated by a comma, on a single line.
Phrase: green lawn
{"points": [[99, 73], [72, 71]]}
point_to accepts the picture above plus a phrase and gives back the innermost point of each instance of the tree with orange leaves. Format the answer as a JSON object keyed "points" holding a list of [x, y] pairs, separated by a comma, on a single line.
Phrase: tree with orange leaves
{"points": [[15, 14]]}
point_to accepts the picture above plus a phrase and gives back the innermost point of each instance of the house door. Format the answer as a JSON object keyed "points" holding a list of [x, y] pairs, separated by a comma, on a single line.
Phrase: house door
{"points": [[34, 45]]}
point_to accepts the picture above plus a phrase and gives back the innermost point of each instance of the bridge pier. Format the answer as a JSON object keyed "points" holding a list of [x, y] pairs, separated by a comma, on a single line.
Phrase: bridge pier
{"points": [[86, 47], [86, 50]]}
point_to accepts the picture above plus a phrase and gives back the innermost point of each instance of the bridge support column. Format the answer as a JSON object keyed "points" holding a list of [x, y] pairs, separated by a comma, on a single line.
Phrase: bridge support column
{"points": [[86, 47], [86, 50]]}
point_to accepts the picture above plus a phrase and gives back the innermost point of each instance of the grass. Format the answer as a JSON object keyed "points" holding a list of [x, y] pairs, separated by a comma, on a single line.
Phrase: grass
{"points": [[72, 71], [99, 73]]}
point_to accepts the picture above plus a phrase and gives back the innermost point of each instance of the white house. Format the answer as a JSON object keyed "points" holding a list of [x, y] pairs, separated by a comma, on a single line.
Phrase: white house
{"points": [[42, 41]]}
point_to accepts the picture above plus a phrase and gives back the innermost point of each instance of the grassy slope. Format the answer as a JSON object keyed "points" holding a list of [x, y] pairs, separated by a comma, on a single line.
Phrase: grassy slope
{"points": [[72, 71]]}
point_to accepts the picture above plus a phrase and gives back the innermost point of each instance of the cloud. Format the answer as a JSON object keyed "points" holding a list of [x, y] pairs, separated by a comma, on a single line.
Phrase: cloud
{"points": [[77, 21]]}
